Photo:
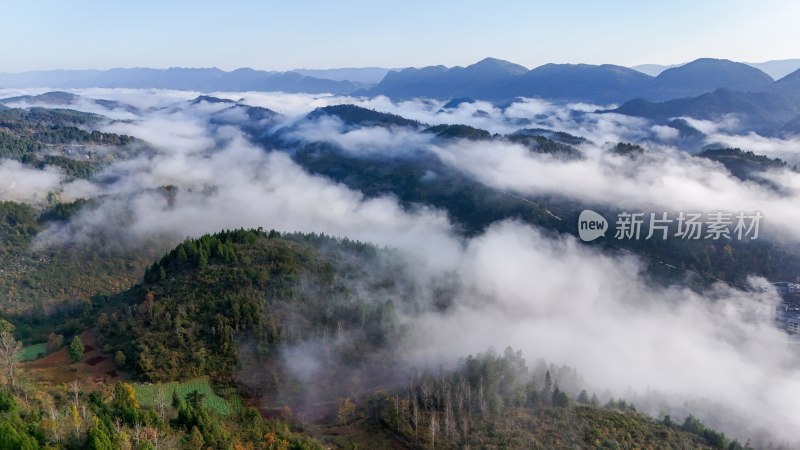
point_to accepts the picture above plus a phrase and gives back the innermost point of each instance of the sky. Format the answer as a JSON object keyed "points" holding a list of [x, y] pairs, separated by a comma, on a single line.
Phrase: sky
{"points": [[283, 35]]}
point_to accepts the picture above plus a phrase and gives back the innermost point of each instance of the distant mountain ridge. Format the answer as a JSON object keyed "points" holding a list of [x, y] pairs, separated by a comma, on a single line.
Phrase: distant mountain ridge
{"points": [[706, 75], [763, 112], [367, 75], [777, 69], [494, 79], [705, 88], [480, 80], [201, 79]]}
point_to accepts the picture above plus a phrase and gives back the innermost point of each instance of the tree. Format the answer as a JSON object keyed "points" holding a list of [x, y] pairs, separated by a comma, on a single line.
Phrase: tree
{"points": [[202, 259], [9, 346], [97, 438], [76, 349], [415, 416], [125, 397], [54, 342], [355, 387], [75, 418], [345, 408], [181, 255], [195, 440], [547, 391], [161, 401], [583, 398], [119, 358], [433, 427], [560, 398]]}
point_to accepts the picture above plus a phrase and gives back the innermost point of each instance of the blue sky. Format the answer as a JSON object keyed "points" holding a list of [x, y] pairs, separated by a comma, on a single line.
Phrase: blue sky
{"points": [[280, 35]]}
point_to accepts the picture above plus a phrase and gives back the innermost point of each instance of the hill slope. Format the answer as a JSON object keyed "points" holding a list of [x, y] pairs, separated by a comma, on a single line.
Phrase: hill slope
{"points": [[760, 112], [209, 295]]}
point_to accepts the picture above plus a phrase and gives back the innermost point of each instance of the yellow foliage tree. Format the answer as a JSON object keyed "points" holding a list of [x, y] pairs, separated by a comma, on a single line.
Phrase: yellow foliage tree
{"points": [[125, 396]]}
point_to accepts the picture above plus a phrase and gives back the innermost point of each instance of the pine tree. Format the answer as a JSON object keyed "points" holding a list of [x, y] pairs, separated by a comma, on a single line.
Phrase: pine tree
{"points": [[181, 255], [560, 398], [196, 439], [547, 391], [97, 438], [76, 349], [202, 258]]}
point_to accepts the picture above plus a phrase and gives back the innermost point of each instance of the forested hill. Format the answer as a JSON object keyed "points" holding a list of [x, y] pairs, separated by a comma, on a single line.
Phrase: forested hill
{"points": [[306, 328], [208, 295], [232, 305], [57, 137]]}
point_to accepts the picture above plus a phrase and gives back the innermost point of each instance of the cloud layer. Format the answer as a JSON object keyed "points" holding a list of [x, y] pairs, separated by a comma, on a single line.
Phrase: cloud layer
{"points": [[517, 286]]}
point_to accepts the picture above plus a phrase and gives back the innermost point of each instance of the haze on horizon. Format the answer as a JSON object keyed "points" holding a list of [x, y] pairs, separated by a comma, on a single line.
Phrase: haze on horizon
{"points": [[49, 34]]}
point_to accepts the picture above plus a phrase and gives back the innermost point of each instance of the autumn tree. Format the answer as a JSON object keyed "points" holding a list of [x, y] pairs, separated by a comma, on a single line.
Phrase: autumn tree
{"points": [[344, 409], [54, 342], [195, 439]]}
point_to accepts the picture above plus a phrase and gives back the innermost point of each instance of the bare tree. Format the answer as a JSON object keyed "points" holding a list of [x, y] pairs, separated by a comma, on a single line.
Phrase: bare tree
{"points": [[462, 406], [75, 390], [433, 427], [355, 387], [9, 346], [481, 400], [415, 416], [54, 420], [339, 329], [161, 401], [425, 390], [449, 419]]}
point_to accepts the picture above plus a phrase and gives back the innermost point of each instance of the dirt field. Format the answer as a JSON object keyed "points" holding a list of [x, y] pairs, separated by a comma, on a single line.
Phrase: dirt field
{"points": [[94, 369]]}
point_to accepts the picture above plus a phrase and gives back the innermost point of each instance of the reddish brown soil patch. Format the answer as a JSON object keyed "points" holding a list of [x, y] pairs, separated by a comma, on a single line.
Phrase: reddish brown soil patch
{"points": [[96, 360], [56, 368]]}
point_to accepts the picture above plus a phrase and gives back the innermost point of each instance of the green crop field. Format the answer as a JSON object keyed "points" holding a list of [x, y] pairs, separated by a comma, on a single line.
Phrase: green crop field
{"points": [[146, 394], [31, 352]]}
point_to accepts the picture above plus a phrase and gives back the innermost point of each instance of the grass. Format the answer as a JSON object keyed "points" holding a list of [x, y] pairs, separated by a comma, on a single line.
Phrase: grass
{"points": [[146, 394], [31, 352]]}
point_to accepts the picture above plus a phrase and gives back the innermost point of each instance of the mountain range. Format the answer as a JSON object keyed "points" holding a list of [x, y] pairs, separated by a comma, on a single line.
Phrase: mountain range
{"points": [[201, 79], [774, 110], [706, 88], [496, 79], [488, 79]]}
